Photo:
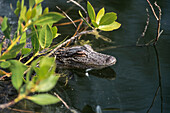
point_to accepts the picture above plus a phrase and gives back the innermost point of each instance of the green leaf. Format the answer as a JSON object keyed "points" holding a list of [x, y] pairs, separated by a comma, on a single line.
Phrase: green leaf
{"points": [[94, 24], [54, 31], [29, 14], [110, 27], [5, 28], [47, 84], [23, 38], [46, 10], [23, 13], [43, 99], [45, 37], [51, 17], [5, 64], [100, 14], [19, 29], [38, 1], [47, 67], [33, 66], [22, 4], [34, 40], [33, 13], [4, 24], [38, 12], [91, 11], [108, 18], [18, 9], [25, 51], [13, 52], [84, 19], [31, 3], [17, 69]]}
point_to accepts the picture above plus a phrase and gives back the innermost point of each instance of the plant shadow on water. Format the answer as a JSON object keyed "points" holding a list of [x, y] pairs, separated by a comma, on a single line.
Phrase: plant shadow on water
{"points": [[134, 82]]}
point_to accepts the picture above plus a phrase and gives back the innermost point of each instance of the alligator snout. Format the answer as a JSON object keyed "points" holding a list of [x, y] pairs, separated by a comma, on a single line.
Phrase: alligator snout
{"points": [[111, 60]]}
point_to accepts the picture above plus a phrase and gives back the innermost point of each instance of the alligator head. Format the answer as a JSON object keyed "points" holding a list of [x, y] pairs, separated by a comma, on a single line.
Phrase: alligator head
{"points": [[83, 57]]}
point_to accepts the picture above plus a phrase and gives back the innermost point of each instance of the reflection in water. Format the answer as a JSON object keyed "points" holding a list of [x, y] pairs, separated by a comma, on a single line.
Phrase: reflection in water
{"points": [[105, 73]]}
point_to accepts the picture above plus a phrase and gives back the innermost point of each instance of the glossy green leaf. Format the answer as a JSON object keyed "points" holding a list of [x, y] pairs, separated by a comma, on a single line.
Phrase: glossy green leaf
{"points": [[18, 8], [46, 10], [33, 13], [32, 68], [84, 19], [5, 28], [38, 12], [22, 4], [51, 17], [23, 38], [34, 40], [17, 69], [4, 24], [17, 11], [110, 27], [94, 24], [5, 64], [29, 14], [23, 13], [100, 14], [19, 28], [54, 31], [13, 52], [47, 67], [45, 37], [31, 3], [43, 99], [108, 18], [25, 51], [91, 11], [47, 84]]}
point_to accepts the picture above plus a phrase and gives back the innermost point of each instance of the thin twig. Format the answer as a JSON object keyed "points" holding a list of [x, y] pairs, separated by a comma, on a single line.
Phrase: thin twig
{"points": [[62, 100], [159, 76], [156, 93], [22, 111], [2, 106], [146, 27], [152, 9], [159, 23], [78, 5], [71, 39], [67, 16], [67, 23]]}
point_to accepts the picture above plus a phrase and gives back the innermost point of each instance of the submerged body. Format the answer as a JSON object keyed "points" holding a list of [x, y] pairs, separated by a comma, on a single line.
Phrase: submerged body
{"points": [[83, 57]]}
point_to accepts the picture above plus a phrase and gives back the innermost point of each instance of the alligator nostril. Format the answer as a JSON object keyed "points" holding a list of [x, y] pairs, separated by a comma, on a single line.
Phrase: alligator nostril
{"points": [[111, 60]]}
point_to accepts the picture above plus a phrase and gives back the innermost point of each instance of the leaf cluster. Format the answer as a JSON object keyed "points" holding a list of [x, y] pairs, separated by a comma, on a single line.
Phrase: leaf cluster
{"points": [[103, 21], [25, 78], [36, 25]]}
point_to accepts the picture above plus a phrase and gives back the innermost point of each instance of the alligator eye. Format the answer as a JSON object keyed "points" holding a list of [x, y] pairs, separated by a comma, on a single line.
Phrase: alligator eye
{"points": [[80, 54]]}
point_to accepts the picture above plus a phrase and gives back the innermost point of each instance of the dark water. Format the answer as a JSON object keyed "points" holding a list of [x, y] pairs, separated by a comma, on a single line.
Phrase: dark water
{"points": [[136, 80]]}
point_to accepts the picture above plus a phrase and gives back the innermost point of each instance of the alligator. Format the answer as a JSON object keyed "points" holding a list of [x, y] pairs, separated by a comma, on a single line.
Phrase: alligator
{"points": [[83, 57]]}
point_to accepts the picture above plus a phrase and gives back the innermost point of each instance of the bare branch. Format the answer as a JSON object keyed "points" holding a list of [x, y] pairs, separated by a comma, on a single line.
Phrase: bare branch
{"points": [[66, 16], [78, 5], [69, 40], [152, 9], [2, 106], [146, 27], [62, 100]]}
